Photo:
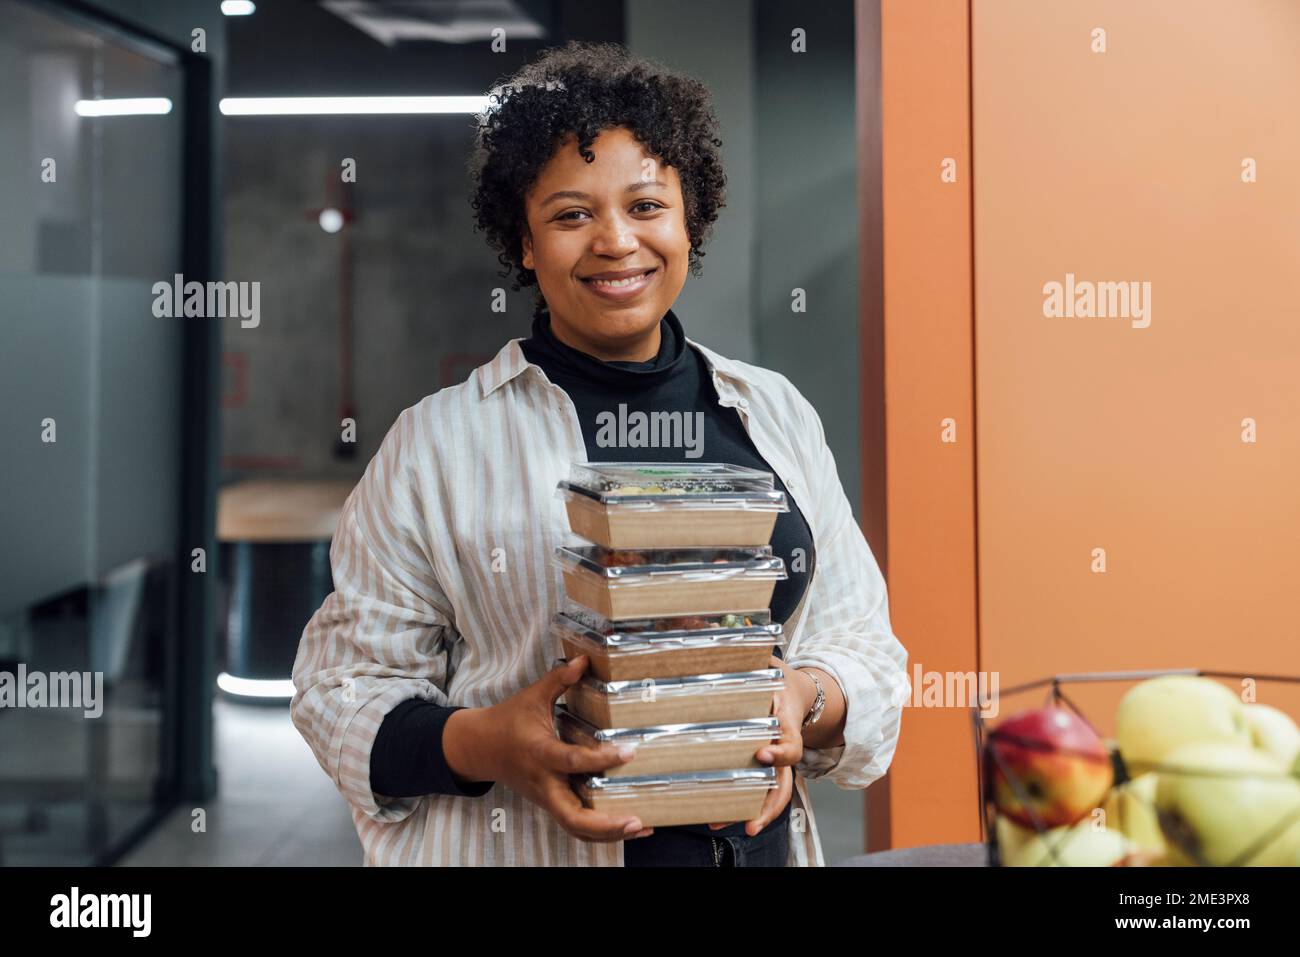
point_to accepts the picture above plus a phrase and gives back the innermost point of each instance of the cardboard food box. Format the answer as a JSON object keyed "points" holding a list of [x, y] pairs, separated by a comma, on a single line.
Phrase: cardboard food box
{"points": [[655, 505], [698, 797], [676, 748], [656, 583], [655, 701], [667, 647]]}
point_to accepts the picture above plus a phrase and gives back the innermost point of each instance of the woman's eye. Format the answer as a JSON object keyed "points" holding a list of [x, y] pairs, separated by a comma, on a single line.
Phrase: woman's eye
{"points": [[572, 215]]}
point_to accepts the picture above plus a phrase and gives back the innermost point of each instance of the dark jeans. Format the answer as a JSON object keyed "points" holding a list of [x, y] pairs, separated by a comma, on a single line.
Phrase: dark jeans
{"points": [[677, 847]]}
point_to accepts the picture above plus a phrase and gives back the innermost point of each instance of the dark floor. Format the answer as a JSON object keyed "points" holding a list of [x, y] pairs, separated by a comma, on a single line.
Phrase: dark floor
{"points": [[275, 806]]}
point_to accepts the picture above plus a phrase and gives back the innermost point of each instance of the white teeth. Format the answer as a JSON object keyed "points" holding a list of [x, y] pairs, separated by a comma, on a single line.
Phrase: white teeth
{"points": [[615, 283]]}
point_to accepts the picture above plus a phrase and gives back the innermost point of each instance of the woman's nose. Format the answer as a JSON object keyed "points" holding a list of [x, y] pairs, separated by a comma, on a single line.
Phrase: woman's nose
{"points": [[616, 237]]}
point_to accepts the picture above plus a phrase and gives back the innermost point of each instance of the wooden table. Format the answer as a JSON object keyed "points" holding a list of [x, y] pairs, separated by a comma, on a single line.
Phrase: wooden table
{"points": [[274, 510]]}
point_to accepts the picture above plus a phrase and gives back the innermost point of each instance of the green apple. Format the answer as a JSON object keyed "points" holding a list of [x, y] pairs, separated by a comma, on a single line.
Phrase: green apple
{"points": [[1131, 809], [1216, 800], [1076, 845], [1164, 713], [1273, 731]]}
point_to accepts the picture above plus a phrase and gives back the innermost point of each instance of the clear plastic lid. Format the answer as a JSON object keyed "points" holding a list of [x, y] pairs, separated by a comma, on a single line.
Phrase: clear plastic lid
{"points": [[768, 679], [749, 729], [640, 635], [692, 780], [651, 485], [639, 566], [652, 478]]}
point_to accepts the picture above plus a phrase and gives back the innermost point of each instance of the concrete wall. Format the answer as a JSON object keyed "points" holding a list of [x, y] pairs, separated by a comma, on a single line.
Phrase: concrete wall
{"points": [[806, 228], [421, 283], [422, 279]]}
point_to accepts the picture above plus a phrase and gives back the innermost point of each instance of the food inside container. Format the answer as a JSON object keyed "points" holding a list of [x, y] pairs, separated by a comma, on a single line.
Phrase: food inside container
{"points": [[667, 647], [675, 748], [655, 583], [699, 797], [656, 701], [653, 505]]}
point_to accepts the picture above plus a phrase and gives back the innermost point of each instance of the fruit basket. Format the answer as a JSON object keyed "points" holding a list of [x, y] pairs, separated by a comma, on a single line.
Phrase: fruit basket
{"points": [[1194, 775]]}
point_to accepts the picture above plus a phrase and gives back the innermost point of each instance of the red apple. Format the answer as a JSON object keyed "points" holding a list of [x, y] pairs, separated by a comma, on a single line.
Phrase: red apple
{"points": [[1049, 763]]}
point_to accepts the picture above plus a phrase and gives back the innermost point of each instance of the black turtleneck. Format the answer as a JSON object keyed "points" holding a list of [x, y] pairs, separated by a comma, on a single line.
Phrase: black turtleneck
{"points": [[407, 758], [677, 380]]}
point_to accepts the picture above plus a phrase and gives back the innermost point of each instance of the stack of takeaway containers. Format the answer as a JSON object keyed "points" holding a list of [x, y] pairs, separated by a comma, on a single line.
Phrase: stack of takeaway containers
{"points": [[670, 603]]}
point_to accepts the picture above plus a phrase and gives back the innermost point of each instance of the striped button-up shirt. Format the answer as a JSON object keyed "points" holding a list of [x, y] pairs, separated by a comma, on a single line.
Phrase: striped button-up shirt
{"points": [[445, 587]]}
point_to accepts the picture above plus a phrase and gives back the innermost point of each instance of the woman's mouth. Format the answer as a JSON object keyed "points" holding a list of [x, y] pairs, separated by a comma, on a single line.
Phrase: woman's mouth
{"points": [[624, 288]]}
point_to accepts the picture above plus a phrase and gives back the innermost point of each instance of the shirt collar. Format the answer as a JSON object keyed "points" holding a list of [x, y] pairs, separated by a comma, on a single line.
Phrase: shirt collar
{"points": [[510, 362], [503, 367]]}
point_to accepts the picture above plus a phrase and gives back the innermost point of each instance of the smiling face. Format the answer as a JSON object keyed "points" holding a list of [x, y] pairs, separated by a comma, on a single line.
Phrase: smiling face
{"points": [[609, 245]]}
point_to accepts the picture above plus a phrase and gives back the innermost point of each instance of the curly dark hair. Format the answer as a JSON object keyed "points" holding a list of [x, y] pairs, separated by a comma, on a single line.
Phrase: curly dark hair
{"points": [[583, 88]]}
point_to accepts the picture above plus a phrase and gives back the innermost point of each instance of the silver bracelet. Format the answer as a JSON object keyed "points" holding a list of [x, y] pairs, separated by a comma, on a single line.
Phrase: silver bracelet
{"points": [[819, 704]]}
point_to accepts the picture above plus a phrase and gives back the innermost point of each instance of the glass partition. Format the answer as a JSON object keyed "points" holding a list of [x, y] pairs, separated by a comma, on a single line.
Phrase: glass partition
{"points": [[89, 492]]}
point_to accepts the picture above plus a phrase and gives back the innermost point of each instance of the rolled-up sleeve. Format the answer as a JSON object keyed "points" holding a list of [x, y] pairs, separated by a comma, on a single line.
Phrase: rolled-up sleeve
{"points": [[847, 630], [381, 637]]}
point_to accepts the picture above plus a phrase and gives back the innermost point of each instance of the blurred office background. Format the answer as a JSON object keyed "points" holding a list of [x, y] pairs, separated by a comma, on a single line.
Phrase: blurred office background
{"points": [[176, 435]]}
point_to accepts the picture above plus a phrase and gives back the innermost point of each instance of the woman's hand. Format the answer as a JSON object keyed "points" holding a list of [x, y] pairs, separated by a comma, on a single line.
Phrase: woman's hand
{"points": [[790, 705], [514, 743]]}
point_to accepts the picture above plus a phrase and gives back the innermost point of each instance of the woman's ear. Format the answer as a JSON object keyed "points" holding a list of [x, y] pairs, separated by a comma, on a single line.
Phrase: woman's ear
{"points": [[527, 243]]}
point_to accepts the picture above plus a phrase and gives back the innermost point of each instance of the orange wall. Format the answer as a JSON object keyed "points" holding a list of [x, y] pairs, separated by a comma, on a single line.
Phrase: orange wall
{"points": [[1094, 433], [929, 483], [1089, 433]]}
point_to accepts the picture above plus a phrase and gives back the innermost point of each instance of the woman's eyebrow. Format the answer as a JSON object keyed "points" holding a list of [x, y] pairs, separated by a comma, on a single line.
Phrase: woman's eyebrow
{"points": [[578, 194]]}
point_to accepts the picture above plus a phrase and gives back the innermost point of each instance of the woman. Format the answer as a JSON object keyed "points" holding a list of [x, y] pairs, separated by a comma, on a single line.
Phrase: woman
{"points": [[423, 682]]}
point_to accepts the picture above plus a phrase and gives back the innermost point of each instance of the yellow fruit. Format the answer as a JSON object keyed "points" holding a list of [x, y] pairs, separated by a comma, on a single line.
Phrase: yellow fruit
{"points": [[1131, 809], [1273, 731], [1222, 805], [1164, 713], [1077, 845], [1011, 837]]}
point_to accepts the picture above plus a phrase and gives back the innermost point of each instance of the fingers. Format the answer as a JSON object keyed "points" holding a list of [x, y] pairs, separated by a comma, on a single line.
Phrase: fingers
{"points": [[555, 681], [718, 827], [776, 800], [765, 813], [782, 754], [788, 749], [581, 759], [585, 823]]}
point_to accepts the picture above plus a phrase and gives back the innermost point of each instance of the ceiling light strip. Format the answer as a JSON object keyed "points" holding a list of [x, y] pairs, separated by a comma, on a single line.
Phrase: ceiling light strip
{"points": [[349, 105]]}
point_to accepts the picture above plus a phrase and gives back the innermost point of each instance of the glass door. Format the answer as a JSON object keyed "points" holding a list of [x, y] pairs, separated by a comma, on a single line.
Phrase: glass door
{"points": [[90, 220]]}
